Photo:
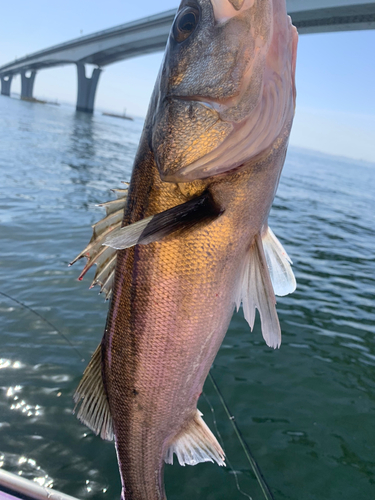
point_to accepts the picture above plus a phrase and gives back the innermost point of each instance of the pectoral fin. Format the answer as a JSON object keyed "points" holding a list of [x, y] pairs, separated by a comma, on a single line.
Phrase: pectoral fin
{"points": [[195, 444], [154, 228]]}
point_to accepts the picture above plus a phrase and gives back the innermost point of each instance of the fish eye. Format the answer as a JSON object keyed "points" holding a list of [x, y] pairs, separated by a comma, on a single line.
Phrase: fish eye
{"points": [[185, 23]]}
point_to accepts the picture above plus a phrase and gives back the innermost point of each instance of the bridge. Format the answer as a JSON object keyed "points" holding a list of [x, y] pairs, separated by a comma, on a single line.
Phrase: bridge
{"points": [[150, 34]]}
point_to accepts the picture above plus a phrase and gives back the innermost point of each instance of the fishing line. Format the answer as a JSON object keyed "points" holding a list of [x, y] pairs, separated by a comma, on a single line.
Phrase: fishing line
{"points": [[46, 321], [235, 473], [257, 472]]}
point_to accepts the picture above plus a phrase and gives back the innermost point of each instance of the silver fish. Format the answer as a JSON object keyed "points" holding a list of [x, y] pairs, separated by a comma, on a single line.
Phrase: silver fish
{"points": [[189, 240]]}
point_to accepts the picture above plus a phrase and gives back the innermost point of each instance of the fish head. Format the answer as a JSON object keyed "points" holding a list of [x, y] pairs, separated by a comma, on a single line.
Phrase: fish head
{"points": [[226, 86]]}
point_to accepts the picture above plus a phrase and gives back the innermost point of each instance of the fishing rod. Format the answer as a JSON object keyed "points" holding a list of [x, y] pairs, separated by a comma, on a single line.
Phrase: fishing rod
{"points": [[253, 463]]}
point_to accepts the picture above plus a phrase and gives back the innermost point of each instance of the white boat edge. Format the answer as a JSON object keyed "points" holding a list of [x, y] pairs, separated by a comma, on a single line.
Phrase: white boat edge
{"points": [[19, 485]]}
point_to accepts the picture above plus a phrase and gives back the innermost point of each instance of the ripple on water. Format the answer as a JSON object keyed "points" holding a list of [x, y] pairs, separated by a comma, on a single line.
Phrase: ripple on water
{"points": [[7, 363], [305, 410], [25, 467], [20, 405]]}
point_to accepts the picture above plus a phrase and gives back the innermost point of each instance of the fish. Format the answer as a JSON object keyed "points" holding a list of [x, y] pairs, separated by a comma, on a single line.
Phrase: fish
{"points": [[187, 241]]}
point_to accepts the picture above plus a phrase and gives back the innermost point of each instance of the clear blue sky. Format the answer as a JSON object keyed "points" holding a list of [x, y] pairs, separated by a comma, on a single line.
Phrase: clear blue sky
{"points": [[335, 71]]}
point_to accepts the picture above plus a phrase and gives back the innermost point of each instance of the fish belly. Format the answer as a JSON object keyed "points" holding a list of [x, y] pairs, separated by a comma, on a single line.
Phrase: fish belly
{"points": [[171, 307], [179, 296]]}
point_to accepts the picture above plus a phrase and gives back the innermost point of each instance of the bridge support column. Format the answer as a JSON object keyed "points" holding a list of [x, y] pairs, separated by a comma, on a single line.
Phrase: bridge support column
{"points": [[6, 82], [27, 84], [86, 88]]}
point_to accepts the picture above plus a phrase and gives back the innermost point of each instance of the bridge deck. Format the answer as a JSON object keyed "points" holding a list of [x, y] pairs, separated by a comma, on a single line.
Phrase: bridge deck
{"points": [[150, 34]]}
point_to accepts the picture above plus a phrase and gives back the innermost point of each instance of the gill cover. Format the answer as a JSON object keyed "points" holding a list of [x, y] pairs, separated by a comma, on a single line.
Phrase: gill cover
{"points": [[226, 88]]}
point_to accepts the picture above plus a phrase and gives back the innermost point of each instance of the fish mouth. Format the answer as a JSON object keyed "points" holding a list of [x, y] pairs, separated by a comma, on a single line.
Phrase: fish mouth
{"points": [[217, 105]]}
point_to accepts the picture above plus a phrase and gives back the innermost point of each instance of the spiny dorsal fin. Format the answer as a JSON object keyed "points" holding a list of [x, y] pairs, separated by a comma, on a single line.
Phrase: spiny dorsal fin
{"points": [[278, 262], [90, 394], [195, 444], [255, 291], [104, 257], [154, 228]]}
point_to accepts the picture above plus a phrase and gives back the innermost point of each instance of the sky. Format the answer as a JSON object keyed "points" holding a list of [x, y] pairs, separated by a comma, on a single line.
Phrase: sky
{"points": [[335, 71]]}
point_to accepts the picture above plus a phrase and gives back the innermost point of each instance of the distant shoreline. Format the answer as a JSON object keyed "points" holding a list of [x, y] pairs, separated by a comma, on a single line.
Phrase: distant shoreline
{"points": [[115, 115]]}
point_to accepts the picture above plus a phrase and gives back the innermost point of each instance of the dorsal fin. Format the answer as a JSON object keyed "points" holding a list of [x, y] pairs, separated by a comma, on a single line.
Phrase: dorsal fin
{"points": [[108, 235], [108, 232], [90, 395], [95, 253]]}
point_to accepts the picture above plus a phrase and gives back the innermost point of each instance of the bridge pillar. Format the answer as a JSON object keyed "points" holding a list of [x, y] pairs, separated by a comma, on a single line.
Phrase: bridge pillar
{"points": [[86, 88], [27, 84], [6, 82]]}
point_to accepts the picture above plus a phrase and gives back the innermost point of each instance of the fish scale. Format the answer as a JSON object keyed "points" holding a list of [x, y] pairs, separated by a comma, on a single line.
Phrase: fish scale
{"points": [[166, 329], [194, 241]]}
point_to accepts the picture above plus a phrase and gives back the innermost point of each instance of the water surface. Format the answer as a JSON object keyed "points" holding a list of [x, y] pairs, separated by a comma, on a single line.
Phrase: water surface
{"points": [[306, 410]]}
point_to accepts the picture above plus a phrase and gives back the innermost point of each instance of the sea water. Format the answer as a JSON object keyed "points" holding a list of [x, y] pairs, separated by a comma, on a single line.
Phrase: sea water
{"points": [[306, 410]]}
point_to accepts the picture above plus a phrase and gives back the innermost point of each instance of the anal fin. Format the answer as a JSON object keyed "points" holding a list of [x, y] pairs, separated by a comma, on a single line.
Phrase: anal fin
{"points": [[90, 394], [195, 444]]}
